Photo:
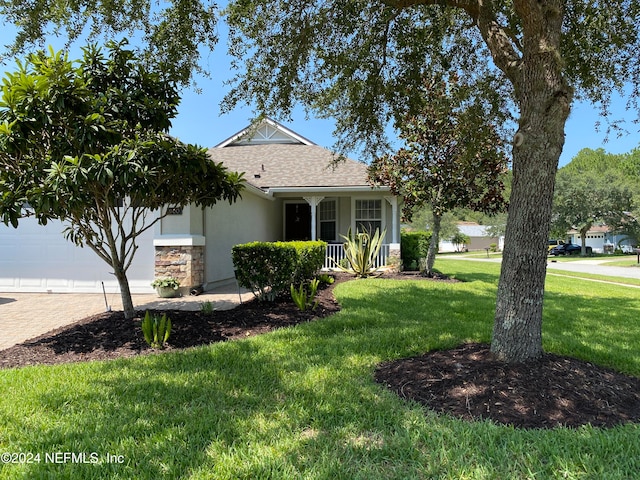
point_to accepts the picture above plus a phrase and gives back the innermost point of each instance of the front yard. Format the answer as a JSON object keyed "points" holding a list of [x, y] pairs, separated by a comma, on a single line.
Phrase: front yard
{"points": [[301, 402]]}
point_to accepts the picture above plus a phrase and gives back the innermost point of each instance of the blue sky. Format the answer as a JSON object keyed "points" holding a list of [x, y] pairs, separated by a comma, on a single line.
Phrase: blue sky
{"points": [[199, 120]]}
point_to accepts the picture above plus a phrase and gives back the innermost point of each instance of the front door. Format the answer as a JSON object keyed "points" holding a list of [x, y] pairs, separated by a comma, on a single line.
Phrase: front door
{"points": [[297, 224]]}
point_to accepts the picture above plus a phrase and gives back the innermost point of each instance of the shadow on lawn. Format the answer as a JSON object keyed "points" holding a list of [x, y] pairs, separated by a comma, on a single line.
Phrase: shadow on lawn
{"points": [[304, 399]]}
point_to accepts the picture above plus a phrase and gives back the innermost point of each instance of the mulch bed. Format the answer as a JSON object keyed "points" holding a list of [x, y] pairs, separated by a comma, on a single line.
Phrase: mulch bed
{"points": [[465, 382]]}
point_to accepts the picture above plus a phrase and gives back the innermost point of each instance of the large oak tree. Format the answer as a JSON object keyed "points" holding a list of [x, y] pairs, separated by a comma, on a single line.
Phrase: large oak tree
{"points": [[361, 62]]}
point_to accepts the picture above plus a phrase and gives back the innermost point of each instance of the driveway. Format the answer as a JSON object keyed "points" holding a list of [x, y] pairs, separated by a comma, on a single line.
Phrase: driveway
{"points": [[28, 315]]}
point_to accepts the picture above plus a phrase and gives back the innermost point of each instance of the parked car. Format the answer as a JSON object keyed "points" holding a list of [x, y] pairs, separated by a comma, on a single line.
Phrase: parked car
{"points": [[568, 249], [627, 249]]}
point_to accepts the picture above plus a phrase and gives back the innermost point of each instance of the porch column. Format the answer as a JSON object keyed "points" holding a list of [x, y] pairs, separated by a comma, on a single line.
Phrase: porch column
{"points": [[393, 201], [314, 202]]}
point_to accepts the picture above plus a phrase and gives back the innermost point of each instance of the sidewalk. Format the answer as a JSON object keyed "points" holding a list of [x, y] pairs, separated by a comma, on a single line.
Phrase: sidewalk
{"points": [[28, 315]]}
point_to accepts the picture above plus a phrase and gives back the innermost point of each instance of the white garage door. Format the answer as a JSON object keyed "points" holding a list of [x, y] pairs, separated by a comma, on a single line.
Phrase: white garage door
{"points": [[36, 258]]}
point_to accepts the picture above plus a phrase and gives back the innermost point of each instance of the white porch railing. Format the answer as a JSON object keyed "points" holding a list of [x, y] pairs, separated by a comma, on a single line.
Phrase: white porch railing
{"points": [[335, 253]]}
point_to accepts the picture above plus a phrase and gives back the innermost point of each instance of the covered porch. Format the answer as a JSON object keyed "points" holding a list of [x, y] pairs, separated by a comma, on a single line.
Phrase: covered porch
{"points": [[330, 217]]}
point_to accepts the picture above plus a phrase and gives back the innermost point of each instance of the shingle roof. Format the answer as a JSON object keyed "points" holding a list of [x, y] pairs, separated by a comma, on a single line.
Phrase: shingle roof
{"points": [[290, 165]]}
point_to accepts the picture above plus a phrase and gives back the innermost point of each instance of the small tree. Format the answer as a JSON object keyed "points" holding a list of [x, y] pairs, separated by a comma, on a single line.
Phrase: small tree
{"points": [[459, 240], [87, 143], [582, 200], [453, 158]]}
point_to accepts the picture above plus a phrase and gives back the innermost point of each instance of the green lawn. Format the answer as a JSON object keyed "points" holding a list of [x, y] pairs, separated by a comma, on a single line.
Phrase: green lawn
{"points": [[301, 402]]}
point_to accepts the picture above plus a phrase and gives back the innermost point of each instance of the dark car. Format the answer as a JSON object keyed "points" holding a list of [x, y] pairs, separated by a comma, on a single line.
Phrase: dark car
{"points": [[568, 249]]}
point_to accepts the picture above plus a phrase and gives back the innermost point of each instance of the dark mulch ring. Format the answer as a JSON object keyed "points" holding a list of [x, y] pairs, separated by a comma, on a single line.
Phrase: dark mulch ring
{"points": [[465, 381]]}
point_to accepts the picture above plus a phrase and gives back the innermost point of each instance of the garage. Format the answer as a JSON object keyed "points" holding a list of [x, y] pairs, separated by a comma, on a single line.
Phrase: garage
{"points": [[37, 258]]}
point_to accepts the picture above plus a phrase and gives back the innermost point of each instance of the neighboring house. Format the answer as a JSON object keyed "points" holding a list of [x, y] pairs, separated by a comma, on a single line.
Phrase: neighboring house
{"points": [[479, 238], [600, 239], [293, 192]]}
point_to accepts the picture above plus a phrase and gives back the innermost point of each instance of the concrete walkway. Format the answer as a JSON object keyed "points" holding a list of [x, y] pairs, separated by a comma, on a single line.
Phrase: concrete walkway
{"points": [[28, 315]]}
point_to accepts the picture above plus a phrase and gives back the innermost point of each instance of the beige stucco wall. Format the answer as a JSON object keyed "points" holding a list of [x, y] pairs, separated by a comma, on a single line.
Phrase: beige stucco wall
{"points": [[189, 222], [253, 218]]}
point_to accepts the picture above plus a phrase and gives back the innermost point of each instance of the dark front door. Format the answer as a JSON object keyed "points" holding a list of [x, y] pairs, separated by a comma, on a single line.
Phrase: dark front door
{"points": [[297, 221]]}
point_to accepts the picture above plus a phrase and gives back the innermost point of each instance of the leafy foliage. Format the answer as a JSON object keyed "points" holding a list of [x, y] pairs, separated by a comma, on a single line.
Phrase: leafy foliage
{"points": [[166, 282], [311, 256], [361, 251], [413, 247], [156, 329], [595, 188], [460, 240], [173, 34], [268, 268], [303, 298], [454, 157], [86, 142], [265, 268]]}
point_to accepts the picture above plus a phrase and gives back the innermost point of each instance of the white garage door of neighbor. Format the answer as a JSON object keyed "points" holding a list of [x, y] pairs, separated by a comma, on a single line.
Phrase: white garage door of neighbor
{"points": [[37, 258]]}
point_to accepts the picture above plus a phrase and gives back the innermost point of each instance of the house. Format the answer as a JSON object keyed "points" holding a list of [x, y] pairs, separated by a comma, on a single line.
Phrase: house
{"points": [[479, 238], [600, 239], [294, 191]]}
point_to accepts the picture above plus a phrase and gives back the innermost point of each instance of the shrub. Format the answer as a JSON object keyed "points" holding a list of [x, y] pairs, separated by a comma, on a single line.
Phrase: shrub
{"points": [[156, 330], [268, 268], [265, 268], [413, 247], [310, 260]]}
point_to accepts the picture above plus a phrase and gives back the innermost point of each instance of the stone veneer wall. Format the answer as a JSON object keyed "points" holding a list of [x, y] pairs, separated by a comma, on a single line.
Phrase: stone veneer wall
{"points": [[186, 263], [394, 250]]}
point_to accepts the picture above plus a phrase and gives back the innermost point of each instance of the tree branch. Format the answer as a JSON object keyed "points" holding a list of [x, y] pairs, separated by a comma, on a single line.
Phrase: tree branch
{"points": [[504, 48]]}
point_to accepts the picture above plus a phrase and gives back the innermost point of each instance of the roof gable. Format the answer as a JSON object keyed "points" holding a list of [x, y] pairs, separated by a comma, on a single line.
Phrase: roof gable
{"points": [[267, 131], [274, 157]]}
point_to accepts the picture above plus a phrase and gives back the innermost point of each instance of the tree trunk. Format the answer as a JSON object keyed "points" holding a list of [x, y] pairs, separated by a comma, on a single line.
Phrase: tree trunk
{"points": [[125, 292], [544, 98], [434, 243], [583, 241]]}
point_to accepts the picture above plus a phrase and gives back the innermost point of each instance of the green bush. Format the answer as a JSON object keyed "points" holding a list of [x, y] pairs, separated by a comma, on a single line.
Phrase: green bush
{"points": [[265, 268], [269, 268], [413, 247], [310, 260]]}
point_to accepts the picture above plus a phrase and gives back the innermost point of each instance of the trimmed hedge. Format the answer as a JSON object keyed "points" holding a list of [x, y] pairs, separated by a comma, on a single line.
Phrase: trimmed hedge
{"points": [[413, 247], [310, 260], [269, 268]]}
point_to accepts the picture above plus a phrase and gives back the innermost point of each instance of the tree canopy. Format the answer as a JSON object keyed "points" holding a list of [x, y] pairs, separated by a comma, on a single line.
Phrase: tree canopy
{"points": [[173, 34], [598, 187], [453, 158], [86, 142], [360, 61]]}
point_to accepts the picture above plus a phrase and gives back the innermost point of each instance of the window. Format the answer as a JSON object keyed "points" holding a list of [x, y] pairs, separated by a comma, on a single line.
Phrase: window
{"points": [[327, 217], [368, 215]]}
